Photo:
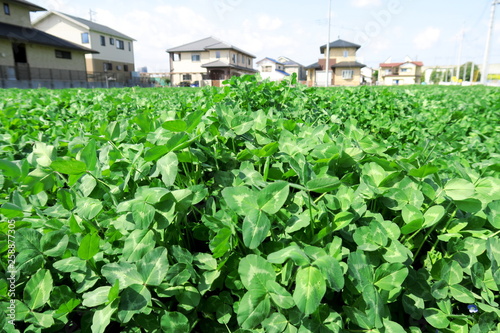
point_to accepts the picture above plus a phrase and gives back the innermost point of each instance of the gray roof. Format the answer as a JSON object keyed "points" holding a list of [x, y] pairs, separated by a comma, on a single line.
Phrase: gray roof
{"points": [[339, 44], [221, 64], [348, 64], [316, 65], [29, 35], [209, 43], [91, 25], [32, 7]]}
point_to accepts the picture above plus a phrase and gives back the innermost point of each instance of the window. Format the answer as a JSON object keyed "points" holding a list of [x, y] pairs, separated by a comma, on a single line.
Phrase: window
{"points": [[347, 74], [266, 68], [125, 68], [346, 54], [234, 58], [85, 38], [103, 40], [176, 57], [186, 77], [217, 54], [6, 9], [405, 70], [129, 46], [118, 67], [249, 62], [63, 54], [111, 41], [195, 57], [108, 66], [120, 44]]}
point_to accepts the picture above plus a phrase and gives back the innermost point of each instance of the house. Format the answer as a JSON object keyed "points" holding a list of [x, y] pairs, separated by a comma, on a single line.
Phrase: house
{"points": [[28, 54], [344, 70], [115, 59], [400, 73], [208, 61], [293, 67], [272, 69]]}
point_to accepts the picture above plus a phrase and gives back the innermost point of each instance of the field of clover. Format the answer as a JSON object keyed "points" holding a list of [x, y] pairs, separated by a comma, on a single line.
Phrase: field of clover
{"points": [[256, 207]]}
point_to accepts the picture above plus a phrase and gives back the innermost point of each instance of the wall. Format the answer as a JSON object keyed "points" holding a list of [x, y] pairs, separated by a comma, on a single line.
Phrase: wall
{"points": [[110, 52], [6, 53], [355, 81], [44, 57], [19, 15], [339, 54]]}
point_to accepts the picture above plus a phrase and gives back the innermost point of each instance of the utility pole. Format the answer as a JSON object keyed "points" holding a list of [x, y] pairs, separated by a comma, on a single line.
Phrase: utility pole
{"points": [[484, 75], [460, 56], [327, 63], [471, 79], [91, 13]]}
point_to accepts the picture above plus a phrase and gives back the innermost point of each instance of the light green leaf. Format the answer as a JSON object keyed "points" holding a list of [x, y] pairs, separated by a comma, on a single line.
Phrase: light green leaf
{"points": [[459, 189], [96, 297], [275, 323], [134, 298], [273, 196], [168, 167], [255, 271], [280, 296], [436, 318], [255, 228], [88, 208], [323, 185], [253, 309], [125, 273], [143, 214], [433, 215], [89, 246], [342, 219], [69, 167], [332, 271], [175, 125], [37, 290], [153, 267], [137, 244], [240, 199], [309, 290], [462, 294], [423, 171], [390, 276], [102, 317], [221, 243], [291, 252]]}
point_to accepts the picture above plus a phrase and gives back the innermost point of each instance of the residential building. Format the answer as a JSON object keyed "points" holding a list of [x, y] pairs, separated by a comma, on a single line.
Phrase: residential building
{"points": [[344, 70], [271, 69], [208, 61], [27, 53], [400, 73], [293, 67], [115, 59]]}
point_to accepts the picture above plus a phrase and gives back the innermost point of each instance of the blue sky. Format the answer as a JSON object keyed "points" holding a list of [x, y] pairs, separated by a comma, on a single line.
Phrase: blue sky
{"points": [[427, 31]]}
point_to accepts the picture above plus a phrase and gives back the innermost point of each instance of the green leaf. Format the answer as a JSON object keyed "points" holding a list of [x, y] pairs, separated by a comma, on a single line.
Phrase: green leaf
{"points": [[280, 296], [65, 197], [37, 291], [273, 196], [137, 244], [255, 271], [174, 322], [392, 327], [9, 169], [143, 214], [240, 199], [275, 323], [433, 215], [253, 309], [123, 272], [323, 185], [54, 243], [332, 271], [89, 246], [153, 267], [390, 276], [96, 297], [423, 171], [89, 155], [102, 317], [309, 290], [493, 213], [255, 228], [71, 264], [175, 125], [168, 166], [459, 189], [88, 208], [221, 243], [413, 219], [134, 298], [462, 294], [291, 252], [488, 188], [436, 318], [69, 167], [342, 219]]}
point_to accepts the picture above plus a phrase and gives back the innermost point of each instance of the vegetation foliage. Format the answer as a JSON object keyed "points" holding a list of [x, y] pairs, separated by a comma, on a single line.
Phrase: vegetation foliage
{"points": [[257, 207]]}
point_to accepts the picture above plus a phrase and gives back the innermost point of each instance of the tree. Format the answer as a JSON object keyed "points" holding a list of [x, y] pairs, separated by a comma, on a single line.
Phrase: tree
{"points": [[467, 68], [436, 76]]}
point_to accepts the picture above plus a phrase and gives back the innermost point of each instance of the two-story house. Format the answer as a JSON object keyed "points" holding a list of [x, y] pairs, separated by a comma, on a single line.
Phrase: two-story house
{"points": [[30, 54], [343, 69], [293, 67], [271, 69], [208, 61], [116, 50], [400, 73]]}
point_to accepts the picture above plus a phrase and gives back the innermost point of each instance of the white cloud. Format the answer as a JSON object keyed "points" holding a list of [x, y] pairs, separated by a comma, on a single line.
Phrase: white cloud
{"points": [[427, 38], [366, 3], [269, 23]]}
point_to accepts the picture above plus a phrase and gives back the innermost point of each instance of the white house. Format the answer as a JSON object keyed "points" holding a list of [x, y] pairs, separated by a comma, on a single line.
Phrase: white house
{"points": [[116, 50], [400, 73], [272, 69], [208, 61]]}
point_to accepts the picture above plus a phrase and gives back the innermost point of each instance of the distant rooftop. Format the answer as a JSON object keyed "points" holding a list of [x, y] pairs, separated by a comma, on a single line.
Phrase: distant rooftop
{"points": [[32, 7], [339, 44], [209, 43]]}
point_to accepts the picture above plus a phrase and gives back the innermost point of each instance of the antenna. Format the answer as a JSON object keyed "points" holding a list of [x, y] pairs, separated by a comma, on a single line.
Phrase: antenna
{"points": [[91, 13]]}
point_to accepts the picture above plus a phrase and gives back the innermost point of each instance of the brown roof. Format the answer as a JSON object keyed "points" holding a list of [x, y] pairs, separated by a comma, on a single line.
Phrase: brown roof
{"points": [[397, 64]]}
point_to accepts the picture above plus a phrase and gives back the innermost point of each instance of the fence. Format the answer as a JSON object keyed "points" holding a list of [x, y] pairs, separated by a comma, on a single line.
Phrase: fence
{"points": [[33, 77]]}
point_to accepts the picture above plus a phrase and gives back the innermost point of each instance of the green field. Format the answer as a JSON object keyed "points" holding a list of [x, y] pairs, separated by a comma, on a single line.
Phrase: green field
{"points": [[251, 208]]}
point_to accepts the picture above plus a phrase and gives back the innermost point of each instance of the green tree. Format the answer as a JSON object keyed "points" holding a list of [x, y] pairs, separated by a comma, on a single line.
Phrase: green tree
{"points": [[467, 68], [436, 76]]}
